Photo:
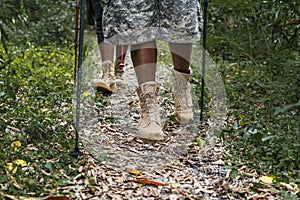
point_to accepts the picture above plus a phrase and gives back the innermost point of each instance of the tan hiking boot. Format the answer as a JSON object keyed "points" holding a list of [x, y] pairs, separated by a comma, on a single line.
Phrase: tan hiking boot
{"points": [[182, 97], [119, 72], [149, 124], [108, 81]]}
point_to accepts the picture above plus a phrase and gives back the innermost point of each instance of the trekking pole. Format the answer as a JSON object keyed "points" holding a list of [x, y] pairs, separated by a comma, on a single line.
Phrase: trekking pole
{"points": [[203, 57], [76, 40], [76, 151]]}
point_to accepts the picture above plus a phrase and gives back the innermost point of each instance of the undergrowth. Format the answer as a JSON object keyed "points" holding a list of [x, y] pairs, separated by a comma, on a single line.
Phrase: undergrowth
{"points": [[36, 118], [264, 119]]}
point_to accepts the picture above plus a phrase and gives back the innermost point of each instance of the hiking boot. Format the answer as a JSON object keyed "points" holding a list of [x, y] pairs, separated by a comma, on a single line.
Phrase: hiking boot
{"points": [[108, 81], [119, 72], [149, 124], [182, 97]]}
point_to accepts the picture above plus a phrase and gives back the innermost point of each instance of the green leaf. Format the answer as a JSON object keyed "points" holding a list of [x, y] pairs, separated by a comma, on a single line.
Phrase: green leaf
{"points": [[102, 157], [48, 166], [234, 173], [63, 182], [200, 142], [3, 179]]}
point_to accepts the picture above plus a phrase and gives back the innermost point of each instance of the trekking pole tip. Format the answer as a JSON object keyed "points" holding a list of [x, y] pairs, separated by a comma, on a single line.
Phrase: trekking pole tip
{"points": [[76, 153]]}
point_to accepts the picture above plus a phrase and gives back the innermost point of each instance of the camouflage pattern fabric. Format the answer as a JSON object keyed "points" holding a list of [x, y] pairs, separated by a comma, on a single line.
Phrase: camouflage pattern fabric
{"points": [[139, 21]]}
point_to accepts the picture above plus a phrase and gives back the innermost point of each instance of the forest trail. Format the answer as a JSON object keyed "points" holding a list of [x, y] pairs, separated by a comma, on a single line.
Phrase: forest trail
{"points": [[178, 166], [125, 167]]}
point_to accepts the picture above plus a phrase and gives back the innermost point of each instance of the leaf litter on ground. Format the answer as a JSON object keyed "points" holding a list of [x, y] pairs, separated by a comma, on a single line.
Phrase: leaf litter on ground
{"points": [[181, 167]]}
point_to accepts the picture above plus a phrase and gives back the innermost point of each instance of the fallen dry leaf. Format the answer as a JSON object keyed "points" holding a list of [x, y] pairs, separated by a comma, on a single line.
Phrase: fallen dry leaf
{"points": [[134, 171], [266, 179], [187, 171], [259, 197], [149, 182]]}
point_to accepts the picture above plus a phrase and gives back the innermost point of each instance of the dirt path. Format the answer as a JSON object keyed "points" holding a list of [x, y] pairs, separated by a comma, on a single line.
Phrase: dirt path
{"points": [[124, 167], [178, 164]]}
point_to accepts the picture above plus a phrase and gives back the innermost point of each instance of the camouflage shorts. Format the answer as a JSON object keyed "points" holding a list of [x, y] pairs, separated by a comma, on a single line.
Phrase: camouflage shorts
{"points": [[139, 21]]}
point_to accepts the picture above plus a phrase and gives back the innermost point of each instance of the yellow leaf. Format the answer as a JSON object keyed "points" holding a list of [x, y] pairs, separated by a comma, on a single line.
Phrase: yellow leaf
{"points": [[266, 179], [175, 185], [45, 110], [21, 162], [134, 171], [9, 168], [15, 145], [86, 93]]}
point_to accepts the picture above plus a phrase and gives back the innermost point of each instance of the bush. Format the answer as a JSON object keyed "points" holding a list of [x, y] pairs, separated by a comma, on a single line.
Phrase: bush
{"points": [[261, 32], [257, 44], [36, 90], [41, 22]]}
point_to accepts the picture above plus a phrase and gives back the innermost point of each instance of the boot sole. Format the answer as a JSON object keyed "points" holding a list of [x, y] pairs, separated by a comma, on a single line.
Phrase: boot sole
{"points": [[104, 88], [149, 141], [184, 122]]}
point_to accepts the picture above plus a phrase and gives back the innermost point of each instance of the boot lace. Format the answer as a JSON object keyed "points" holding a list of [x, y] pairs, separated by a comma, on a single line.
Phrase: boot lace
{"points": [[108, 74], [182, 92], [151, 108]]}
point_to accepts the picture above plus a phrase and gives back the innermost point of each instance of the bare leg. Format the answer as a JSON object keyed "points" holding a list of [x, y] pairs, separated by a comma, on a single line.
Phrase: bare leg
{"points": [[181, 55], [106, 51], [144, 58]]}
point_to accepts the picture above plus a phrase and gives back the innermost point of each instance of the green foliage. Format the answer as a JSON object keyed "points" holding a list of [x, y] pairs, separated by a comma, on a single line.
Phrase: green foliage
{"points": [[255, 31], [257, 45], [41, 22], [36, 109], [33, 85], [261, 135]]}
